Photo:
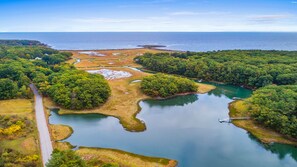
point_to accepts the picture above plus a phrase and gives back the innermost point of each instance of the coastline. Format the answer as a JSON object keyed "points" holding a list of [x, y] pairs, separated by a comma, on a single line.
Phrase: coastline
{"points": [[162, 49]]}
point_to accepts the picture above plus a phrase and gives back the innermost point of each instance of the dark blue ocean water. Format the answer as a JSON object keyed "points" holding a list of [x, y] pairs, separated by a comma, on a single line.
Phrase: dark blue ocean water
{"points": [[177, 40]]}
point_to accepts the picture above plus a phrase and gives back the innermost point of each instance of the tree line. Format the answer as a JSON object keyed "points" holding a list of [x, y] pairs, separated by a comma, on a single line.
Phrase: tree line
{"points": [[249, 68], [46, 67]]}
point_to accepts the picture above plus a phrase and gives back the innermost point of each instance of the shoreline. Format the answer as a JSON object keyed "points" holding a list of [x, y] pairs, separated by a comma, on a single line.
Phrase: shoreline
{"points": [[263, 134], [124, 125], [124, 49]]}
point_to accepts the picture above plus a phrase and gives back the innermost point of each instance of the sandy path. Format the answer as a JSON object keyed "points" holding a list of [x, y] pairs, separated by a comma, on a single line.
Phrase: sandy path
{"points": [[44, 136]]}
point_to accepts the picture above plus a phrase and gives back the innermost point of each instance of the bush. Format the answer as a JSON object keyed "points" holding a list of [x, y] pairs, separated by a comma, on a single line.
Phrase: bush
{"points": [[165, 85], [65, 159]]}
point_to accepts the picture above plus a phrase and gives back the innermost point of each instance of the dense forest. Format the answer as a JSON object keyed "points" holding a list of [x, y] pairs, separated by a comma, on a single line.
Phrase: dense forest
{"points": [[250, 68], [276, 107], [161, 85], [45, 67]]}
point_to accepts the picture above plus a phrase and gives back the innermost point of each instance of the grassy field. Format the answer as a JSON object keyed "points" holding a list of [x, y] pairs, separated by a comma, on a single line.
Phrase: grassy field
{"points": [[241, 109], [98, 155], [17, 106], [26, 141]]}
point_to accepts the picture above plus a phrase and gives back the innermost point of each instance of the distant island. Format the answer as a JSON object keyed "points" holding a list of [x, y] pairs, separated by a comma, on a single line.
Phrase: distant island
{"points": [[151, 46]]}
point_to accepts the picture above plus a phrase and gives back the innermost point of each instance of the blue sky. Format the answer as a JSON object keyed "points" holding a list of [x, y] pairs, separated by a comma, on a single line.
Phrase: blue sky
{"points": [[147, 15]]}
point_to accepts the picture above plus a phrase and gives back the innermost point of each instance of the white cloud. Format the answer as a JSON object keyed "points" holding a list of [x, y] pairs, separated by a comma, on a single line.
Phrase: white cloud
{"points": [[190, 13], [269, 18], [106, 20]]}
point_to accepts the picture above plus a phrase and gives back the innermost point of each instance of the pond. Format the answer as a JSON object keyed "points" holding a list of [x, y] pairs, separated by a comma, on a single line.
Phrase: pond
{"points": [[183, 128]]}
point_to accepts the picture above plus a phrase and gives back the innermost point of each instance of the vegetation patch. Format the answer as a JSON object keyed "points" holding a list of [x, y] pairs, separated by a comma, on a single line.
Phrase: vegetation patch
{"points": [[60, 132], [66, 158], [101, 156], [18, 146], [205, 88], [161, 85], [78, 90], [16, 106], [242, 108], [62, 145], [276, 108]]}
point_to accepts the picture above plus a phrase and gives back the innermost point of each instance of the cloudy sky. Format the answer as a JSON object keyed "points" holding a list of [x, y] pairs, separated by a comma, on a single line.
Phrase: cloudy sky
{"points": [[147, 15]]}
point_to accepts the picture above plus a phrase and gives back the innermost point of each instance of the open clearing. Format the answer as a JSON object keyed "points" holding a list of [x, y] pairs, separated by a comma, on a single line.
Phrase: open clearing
{"points": [[16, 106]]}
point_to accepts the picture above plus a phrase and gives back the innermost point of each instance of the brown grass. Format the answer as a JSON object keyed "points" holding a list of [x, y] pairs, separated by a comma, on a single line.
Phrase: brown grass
{"points": [[122, 158], [16, 106], [62, 145], [124, 58], [265, 135], [204, 88], [60, 132]]}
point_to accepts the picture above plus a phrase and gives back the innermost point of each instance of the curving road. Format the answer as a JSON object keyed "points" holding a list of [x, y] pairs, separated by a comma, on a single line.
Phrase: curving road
{"points": [[44, 136]]}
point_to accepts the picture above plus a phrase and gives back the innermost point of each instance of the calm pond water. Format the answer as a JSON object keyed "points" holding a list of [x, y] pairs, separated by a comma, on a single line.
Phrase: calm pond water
{"points": [[186, 129]]}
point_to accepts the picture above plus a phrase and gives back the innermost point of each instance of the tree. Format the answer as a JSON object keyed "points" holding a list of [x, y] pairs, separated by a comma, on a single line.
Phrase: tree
{"points": [[8, 89], [65, 159]]}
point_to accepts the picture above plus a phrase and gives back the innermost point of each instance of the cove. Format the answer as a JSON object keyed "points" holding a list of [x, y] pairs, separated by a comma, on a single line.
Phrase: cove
{"points": [[184, 128]]}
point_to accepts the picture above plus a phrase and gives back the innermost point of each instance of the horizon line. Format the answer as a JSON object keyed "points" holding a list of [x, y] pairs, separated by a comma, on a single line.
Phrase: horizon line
{"points": [[148, 31]]}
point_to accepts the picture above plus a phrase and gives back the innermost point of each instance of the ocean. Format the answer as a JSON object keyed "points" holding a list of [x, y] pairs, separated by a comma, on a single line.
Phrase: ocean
{"points": [[186, 41]]}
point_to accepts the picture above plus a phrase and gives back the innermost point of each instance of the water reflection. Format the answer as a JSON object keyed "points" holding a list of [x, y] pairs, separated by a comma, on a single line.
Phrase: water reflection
{"points": [[175, 101], [281, 150], [230, 91], [184, 128]]}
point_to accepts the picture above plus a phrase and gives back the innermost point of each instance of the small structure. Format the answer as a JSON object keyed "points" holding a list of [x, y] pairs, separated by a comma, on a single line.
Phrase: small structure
{"points": [[229, 120]]}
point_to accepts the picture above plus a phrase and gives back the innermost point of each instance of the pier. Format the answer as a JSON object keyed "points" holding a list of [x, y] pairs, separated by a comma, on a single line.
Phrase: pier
{"points": [[229, 120]]}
